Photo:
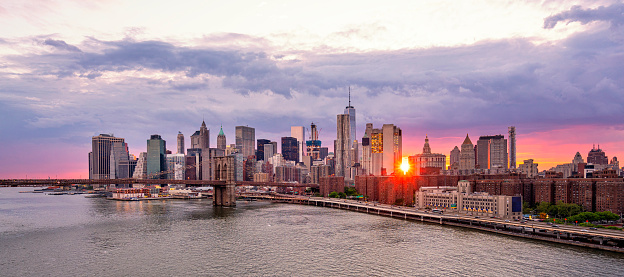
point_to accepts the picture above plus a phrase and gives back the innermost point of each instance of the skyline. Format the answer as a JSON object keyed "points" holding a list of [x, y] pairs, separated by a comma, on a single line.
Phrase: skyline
{"points": [[441, 69]]}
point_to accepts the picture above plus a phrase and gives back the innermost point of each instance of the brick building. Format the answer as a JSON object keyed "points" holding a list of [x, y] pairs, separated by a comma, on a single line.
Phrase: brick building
{"points": [[330, 184]]}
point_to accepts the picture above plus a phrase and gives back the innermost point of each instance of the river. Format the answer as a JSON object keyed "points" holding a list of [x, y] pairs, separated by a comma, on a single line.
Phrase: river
{"points": [[70, 235]]}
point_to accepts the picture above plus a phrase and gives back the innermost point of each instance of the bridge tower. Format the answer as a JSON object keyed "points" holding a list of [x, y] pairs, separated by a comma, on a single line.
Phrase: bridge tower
{"points": [[224, 170]]}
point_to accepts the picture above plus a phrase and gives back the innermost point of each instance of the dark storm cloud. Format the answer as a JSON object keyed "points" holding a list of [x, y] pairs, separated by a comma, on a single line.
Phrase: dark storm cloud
{"points": [[62, 45], [613, 14], [490, 83]]}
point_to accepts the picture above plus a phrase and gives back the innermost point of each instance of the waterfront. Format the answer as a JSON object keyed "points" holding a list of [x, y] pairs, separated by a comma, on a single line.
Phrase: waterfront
{"points": [[72, 235]]}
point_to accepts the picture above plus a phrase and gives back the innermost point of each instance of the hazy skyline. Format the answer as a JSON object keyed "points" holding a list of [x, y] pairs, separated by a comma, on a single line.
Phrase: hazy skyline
{"points": [[70, 70]]}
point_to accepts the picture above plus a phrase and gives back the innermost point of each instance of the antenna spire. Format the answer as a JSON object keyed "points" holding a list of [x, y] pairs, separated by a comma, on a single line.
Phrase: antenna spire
{"points": [[349, 96]]}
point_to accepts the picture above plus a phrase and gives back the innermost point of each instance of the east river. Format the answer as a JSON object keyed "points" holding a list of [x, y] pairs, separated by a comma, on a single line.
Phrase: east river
{"points": [[70, 235]]}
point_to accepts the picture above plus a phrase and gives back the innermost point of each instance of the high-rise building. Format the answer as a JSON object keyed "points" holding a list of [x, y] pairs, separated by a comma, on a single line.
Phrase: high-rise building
{"points": [[201, 140], [298, 132], [180, 143], [392, 148], [221, 142], [343, 145], [492, 152], [512, 147], [260, 151], [100, 156], [269, 151], [467, 155], [454, 158], [156, 148], [175, 166], [314, 144], [246, 140], [290, 149], [597, 156], [350, 110], [140, 171], [119, 161]]}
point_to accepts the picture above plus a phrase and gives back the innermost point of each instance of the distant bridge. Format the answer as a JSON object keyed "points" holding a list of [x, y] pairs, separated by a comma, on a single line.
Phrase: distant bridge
{"points": [[191, 183]]}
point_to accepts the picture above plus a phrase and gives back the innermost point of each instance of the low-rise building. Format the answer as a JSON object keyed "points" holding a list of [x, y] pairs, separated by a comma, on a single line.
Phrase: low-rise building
{"points": [[462, 200]]}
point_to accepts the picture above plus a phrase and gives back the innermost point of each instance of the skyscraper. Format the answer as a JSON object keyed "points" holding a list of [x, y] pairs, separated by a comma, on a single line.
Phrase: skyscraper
{"points": [[467, 155], [392, 147], [314, 144], [269, 151], [156, 148], [180, 143], [119, 160], [298, 132], [246, 140], [454, 157], [290, 149], [350, 110], [201, 140], [492, 152], [343, 145], [512, 147], [100, 156], [221, 142], [260, 151]]}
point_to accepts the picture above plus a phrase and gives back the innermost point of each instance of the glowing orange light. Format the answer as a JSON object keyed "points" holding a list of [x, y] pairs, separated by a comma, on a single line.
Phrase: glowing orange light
{"points": [[405, 166]]}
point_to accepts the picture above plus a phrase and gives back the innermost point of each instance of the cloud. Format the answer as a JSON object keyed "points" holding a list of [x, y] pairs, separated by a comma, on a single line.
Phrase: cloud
{"points": [[613, 14], [59, 44]]}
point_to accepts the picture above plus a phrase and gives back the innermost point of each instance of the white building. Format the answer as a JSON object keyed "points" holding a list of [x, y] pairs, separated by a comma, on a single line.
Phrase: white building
{"points": [[462, 200]]}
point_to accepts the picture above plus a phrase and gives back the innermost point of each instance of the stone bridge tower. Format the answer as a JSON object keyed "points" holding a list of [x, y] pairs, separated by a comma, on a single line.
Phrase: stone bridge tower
{"points": [[223, 170]]}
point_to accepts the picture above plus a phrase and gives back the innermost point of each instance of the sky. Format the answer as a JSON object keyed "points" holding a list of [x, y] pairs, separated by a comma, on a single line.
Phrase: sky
{"points": [[70, 70]]}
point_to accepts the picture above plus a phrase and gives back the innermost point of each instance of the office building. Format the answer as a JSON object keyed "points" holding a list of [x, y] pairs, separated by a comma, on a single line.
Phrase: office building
{"points": [[201, 140], [140, 171], [221, 142], [100, 156], [454, 158], [246, 140], [342, 146], [180, 143], [260, 151], [313, 146], [119, 160], [176, 166], [156, 148], [290, 149], [269, 151], [467, 155], [392, 148], [298, 132], [492, 152]]}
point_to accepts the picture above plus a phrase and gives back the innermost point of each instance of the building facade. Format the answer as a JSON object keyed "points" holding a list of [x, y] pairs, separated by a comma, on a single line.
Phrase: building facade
{"points": [[156, 148], [246, 140], [467, 155], [100, 156]]}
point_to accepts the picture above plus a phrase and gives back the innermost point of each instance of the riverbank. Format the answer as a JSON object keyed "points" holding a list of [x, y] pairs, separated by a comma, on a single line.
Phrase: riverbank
{"points": [[608, 240]]}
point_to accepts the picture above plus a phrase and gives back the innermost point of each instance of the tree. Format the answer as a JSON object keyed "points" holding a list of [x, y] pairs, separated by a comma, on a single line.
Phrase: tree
{"points": [[333, 194], [543, 207], [342, 195], [350, 191]]}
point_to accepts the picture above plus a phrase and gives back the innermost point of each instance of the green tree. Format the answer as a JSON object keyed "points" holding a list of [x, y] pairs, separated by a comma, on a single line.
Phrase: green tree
{"points": [[543, 207], [350, 191], [333, 194], [342, 195]]}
